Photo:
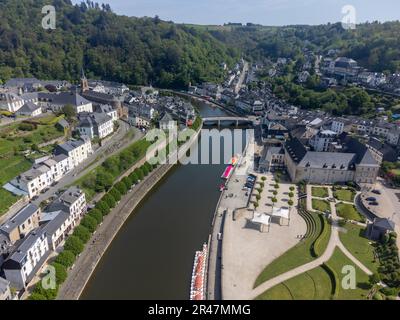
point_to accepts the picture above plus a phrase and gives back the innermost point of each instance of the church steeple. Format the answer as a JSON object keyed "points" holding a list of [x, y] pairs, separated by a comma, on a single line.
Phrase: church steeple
{"points": [[84, 82]]}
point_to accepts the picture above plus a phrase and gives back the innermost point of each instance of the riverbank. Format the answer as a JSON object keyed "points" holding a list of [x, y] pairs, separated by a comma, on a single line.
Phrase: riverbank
{"points": [[107, 231]]}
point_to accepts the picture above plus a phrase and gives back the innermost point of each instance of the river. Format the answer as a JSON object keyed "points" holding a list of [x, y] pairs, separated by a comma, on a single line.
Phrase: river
{"points": [[152, 255]]}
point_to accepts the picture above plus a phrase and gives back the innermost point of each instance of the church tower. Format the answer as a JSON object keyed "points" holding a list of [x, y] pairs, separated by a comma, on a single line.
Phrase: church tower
{"points": [[84, 82]]}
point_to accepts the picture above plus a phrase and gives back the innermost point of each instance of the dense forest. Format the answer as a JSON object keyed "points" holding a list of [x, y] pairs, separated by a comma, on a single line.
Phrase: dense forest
{"points": [[113, 47], [152, 51]]}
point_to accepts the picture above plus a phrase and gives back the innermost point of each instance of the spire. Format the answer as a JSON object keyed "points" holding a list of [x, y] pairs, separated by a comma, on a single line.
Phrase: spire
{"points": [[84, 82]]}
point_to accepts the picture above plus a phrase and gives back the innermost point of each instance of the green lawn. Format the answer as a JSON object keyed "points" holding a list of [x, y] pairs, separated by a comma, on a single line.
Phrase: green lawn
{"points": [[12, 143], [318, 284], [321, 205], [336, 263], [320, 192], [312, 285], [359, 246], [344, 195], [300, 254], [7, 200], [348, 211]]}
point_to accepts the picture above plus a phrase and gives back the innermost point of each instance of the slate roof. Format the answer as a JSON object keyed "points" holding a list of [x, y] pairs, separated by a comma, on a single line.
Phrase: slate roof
{"points": [[28, 107], [64, 98], [384, 223], [20, 217], [334, 160], [296, 149]]}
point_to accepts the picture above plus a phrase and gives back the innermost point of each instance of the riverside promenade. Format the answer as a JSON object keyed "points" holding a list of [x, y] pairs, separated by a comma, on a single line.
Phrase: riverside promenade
{"points": [[106, 232]]}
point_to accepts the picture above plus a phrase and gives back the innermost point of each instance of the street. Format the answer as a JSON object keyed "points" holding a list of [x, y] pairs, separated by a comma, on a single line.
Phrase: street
{"points": [[112, 146]]}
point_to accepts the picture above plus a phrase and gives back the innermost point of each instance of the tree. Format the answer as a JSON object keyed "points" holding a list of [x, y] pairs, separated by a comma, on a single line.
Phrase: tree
{"points": [[115, 194], [145, 170], [61, 272], [274, 200], [374, 279], [97, 215], [74, 244], [103, 207], [82, 233], [127, 182], [89, 223], [139, 173], [291, 194], [134, 178], [69, 111], [104, 181], [290, 203], [121, 187], [292, 188], [48, 294], [66, 258], [109, 199]]}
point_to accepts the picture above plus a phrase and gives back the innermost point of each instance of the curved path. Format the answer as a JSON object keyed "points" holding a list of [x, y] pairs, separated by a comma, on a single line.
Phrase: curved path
{"points": [[334, 242]]}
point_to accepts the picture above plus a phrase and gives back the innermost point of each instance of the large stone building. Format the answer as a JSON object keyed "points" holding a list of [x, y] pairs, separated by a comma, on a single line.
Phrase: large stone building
{"points": [[355, 163]]}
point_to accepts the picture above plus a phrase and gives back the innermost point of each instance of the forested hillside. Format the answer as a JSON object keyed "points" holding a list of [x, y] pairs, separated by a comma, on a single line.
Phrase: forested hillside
{"points": [[131, 50], [151, 51], [376, 46]]}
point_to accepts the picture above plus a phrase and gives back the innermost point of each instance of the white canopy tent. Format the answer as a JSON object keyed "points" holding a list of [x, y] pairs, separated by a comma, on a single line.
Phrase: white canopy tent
{"points": [[261, 219], [281, 213]]}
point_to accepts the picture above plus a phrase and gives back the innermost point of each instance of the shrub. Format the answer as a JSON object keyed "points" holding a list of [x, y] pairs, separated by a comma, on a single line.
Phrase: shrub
{"points": [[82, 233], [74, 244], [48, 294], [66, 258], [378, 296], [97, 215], [90, 223], [37, 296], [26, 127], [61, 272]]}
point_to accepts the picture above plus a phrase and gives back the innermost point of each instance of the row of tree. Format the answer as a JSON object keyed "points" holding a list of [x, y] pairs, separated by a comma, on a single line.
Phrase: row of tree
{"points": [[75, 243]]}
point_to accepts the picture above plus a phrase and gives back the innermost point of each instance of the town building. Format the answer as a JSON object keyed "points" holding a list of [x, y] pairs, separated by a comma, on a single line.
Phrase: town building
{"points": [[30, 109], [57, 101], [167, 122], [22, 223], [5, 291], [355, 163], [29, 255], [93, 125], [77, 150]]}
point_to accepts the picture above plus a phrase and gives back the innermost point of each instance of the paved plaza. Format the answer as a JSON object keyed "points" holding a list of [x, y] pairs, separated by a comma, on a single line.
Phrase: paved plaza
{"points": [[246, 251]]}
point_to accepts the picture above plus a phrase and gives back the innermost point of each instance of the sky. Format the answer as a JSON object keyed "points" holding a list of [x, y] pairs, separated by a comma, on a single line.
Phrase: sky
{"points": [[266, 12]]}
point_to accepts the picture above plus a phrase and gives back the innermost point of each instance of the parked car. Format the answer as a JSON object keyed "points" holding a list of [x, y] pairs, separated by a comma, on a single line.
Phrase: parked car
{"points": [[374, 203], [371, 199], [377, 191]]}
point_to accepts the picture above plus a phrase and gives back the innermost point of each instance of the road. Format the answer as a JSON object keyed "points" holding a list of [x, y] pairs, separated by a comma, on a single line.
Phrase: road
{"points": [[242, 77], [118, 141]]}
